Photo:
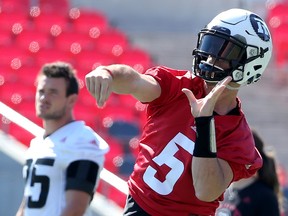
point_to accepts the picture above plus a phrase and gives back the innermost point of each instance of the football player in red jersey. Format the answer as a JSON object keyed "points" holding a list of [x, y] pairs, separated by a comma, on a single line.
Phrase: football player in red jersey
{"points": [[185, 162]]}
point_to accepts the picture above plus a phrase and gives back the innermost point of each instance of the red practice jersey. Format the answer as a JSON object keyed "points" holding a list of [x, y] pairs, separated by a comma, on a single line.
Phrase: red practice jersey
{"points": [[161, 182]]}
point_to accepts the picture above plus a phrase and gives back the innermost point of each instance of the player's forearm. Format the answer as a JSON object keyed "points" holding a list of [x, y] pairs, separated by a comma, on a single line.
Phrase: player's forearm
{"points": [[211, 176], [124, 78]]}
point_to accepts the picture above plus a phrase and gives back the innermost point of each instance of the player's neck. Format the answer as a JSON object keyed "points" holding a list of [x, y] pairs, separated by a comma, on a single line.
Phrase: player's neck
{"points": [[226, 101], [225, 104], [50, 126]]}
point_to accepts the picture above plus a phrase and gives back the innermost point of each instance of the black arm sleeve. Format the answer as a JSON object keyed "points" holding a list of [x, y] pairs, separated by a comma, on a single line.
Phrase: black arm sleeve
{"points": [[82, 175]]}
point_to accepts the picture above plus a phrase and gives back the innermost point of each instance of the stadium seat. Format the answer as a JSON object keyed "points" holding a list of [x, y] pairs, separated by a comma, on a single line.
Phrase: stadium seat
{"points": [[6, 38], [7, 75], [51, 55], [88, 21], [123, 130], [114, 157], [14, 57], [126, 168], [73, 42], [134, 146], [14, 18], [14, 5], [85, 98], [32, 40], [128, 100], [112, 41], [281, 45], [88, 60], [14, 94], [136, 58], [50, 22], [88, 114], [51, 5], [26, 75], [276, 9]]}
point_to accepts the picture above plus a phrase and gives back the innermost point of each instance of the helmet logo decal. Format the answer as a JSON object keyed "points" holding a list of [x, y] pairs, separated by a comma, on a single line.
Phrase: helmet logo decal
{"points": [[259, 27]]}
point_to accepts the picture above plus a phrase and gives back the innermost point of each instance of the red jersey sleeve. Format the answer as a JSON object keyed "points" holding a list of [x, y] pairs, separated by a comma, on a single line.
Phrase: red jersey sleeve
{"points": [[235, 144]]}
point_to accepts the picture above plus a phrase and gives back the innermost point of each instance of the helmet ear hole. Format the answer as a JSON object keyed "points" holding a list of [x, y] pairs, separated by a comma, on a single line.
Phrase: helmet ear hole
{"points": [[257, 67], [250, 80]]}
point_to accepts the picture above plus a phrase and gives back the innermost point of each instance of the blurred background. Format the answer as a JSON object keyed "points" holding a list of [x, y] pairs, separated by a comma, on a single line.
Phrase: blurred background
{"points": [[89, 33]]}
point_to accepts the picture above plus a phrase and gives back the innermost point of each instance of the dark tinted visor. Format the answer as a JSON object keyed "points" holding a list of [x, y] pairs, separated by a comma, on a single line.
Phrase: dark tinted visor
{"points": [[219, 47]]}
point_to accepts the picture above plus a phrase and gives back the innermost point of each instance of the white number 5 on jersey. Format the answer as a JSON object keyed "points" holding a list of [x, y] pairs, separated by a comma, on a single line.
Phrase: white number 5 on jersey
{"points": [[167, 157]]}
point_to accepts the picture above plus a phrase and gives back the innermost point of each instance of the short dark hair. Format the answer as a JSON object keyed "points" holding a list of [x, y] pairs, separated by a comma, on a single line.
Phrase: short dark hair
{"points": [[64, 70]]}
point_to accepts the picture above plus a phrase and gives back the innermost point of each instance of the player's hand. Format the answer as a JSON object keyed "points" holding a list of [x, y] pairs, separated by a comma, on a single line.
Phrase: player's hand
{"points": [[99, 84], [205, 106]]}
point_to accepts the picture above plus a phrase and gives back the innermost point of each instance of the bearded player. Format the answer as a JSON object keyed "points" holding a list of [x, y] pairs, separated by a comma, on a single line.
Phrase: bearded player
{"points": [[62, 165]]}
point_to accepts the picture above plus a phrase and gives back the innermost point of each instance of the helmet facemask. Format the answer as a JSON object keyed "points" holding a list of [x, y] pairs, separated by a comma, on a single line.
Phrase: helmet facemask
{"points": [[221, 47]]}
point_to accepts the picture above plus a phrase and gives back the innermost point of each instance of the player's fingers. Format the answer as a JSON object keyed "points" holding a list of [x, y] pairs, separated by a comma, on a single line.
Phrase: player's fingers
{"points": [[189, 94], [96, 89], [224, 82], [90, 84], [219, 88], [104, 93], [87, 83]]}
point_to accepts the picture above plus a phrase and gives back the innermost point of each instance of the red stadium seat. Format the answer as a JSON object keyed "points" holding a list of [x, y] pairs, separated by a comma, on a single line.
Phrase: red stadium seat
{"points": [[15, 19], [73, 42], [89, 114], [113, 41], [26, 75], [11, 94], [33, 40], [88, 21], [136, 58], [51, 5], [115, 155], [277, 14], [14, 57], [87, 61], [6, 37], [51, 55], [7, 75], [15, 5], [281, 45], [50, 22]]}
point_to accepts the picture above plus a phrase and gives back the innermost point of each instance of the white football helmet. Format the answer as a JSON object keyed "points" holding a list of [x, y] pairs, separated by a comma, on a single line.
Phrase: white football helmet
{"points": [[238, 37]]}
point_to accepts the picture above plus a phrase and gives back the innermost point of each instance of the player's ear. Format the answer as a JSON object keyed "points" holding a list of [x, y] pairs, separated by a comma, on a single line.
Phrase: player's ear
{"points": [[72, 99]]}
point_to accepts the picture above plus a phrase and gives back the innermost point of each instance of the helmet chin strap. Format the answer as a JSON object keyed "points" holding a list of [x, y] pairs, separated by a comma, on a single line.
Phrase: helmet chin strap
{"points": [[232, 88]]}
